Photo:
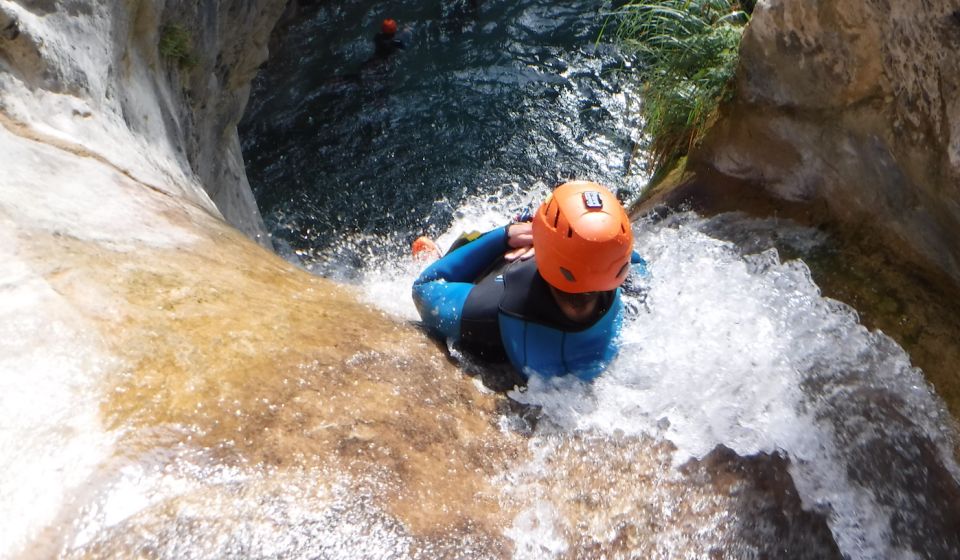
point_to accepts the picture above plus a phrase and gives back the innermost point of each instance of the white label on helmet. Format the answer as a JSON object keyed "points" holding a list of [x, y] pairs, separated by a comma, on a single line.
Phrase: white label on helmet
{"points": [[592, 200]]}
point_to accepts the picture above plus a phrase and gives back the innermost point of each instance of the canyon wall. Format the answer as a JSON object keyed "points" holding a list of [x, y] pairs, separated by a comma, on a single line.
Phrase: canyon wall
{"points": [[154, 88], [854, 106]]}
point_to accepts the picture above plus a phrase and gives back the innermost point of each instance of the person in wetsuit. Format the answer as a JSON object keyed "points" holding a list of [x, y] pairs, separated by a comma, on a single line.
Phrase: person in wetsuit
{"points": [[555, 308], [388, 40]]}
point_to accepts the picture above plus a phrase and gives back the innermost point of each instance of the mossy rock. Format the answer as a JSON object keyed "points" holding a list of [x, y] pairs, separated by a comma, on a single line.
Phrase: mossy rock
{"points": [[176, 45]]}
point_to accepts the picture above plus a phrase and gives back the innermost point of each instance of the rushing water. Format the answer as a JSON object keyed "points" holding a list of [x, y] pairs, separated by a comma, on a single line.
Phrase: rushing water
{"points": [[727, 348]]}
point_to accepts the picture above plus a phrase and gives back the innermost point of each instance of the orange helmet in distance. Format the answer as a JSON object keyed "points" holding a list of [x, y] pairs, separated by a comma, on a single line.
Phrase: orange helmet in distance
{"points": [[389, 26], [582, 238]]}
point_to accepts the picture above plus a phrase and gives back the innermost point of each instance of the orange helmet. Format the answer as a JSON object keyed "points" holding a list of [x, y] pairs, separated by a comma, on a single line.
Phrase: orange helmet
{"points": [[582, 238], [389, 26]]}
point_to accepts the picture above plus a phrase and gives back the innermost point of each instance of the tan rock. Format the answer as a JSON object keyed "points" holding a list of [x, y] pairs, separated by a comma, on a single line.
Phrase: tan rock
{"points": [[855, 105], [211, 345]]}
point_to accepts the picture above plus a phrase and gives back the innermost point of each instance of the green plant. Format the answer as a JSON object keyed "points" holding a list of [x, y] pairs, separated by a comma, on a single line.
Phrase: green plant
{"points": [[688, 52], [176, 45]]}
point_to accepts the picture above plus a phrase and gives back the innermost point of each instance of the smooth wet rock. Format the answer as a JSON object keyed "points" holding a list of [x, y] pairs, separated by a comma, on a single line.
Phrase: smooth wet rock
{"points": [[213, 400], [214, 358]]}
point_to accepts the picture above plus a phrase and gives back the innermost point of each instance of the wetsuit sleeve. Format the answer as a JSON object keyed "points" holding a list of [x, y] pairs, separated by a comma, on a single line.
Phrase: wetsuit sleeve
{"points": [[441, 290]]}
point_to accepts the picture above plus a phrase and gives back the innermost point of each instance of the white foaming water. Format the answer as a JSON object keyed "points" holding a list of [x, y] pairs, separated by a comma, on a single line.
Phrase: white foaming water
{"points": [[179, 501], [387, 282], [50, 430], [52, 361], [743, 351]]}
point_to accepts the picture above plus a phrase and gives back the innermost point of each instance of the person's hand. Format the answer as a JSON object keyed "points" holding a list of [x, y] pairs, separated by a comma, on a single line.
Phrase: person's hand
{"points": [[520, 238]]}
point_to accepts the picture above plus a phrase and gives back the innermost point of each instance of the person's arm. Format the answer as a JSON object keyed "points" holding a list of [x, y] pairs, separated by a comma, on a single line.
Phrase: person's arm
{"points": [[441, 290]]}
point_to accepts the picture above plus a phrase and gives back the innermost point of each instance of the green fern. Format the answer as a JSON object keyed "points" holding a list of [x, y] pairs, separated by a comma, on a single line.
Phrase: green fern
{"points": [[688, 51]]}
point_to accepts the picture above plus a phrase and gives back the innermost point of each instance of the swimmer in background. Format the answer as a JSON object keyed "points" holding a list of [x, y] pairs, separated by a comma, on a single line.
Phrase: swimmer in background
{"points": [[375, 72], [389, 40]]}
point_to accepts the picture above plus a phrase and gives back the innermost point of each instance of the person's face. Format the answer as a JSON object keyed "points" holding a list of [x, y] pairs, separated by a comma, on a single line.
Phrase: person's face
{"points": [[576, 307]]}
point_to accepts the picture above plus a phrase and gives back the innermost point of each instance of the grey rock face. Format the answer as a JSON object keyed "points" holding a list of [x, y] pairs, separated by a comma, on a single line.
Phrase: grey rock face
{"points": [[230, 42], [151, 87]]}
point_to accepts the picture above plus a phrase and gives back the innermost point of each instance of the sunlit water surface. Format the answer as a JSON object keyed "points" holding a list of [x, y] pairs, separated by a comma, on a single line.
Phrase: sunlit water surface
{"points": [[488, 94]]}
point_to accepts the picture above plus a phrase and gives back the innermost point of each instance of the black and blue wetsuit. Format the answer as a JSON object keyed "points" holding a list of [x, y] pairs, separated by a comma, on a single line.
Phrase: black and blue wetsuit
{"points": [[386, 44], [510, 314]]}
